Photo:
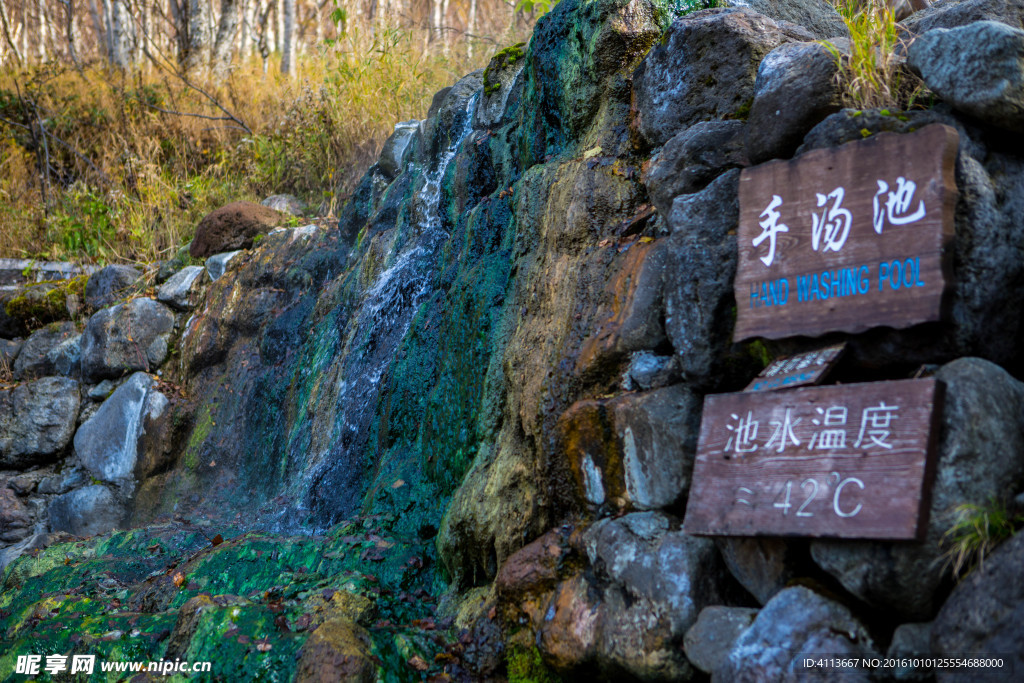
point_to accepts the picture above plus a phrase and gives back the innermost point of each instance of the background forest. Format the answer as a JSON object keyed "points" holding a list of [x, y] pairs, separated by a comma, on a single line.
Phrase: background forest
{"points": [[123, 122]]}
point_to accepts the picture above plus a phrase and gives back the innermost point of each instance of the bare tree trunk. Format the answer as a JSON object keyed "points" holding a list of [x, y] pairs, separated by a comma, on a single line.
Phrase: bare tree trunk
{"points": [[471, 29], [6, 25], [198, 36], [121, 31], [177, 12], [288, 38], [43, 26], [435, 19], [71, 30], [226, 31]]}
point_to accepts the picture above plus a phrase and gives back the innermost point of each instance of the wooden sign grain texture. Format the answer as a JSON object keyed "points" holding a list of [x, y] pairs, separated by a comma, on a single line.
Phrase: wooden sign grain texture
{"points": [[847, 238], [802, 369], [846, 461]]}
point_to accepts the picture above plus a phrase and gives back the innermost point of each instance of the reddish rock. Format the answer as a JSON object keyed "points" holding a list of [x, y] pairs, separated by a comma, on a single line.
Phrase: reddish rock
{"points": [[537, 566], [14, 519], [233, 227], [336, 651]]}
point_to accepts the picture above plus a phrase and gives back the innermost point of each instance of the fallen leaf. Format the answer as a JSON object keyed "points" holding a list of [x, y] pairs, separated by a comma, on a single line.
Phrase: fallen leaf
{"points": [[217, 540], [179, 579], [418, 663], [399, 483]]}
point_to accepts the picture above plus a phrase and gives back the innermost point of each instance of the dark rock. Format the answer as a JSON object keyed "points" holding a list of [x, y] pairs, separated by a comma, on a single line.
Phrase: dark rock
{"points": [[286, 203], [709, 641], [984, 617], [698, 288], [795, 90], [127, 337], [37, 420], [15, 523], [233, 227], [108, 444], [393, 154], [217, 264], [449, 114], [978, 69], [954, 13], [819, 17], [10, 326], [182, 289], [980, 456], [764, 566], [910, 642], [111, 284], [34, 359], [634, 451], [797, 623], [693, 158], [86, 511], [659, 581], [704, 69], [337, 650]]}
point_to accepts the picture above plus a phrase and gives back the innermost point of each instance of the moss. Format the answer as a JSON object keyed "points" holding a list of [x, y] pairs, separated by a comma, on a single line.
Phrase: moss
{"points": [[503, 58], [46, 302], [203, 427], [526, 666], [742, 112], [759, 351]]}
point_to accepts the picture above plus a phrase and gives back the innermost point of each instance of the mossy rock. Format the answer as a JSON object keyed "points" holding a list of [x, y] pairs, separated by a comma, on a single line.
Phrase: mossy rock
{"points": [[46, 302], [502, 59]]}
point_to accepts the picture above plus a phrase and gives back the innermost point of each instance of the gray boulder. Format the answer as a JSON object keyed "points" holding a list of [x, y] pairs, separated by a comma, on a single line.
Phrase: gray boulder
{"points": [[127, 337], [980, 455], [795, 624], [692, 159], [709, 641], [819, 17], [86, 511], [181, 289], [698, 289], [795, 90], [111, 284], [704, 69], [37, 420], [393, 154], [286, 203], [34, 360], [954, 13], [659, 579], [108, 443], [978, 69], [217, 264], [984, 616]]}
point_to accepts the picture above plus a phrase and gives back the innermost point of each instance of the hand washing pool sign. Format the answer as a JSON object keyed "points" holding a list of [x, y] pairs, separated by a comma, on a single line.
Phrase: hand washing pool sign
{"points": [[847, 238]]}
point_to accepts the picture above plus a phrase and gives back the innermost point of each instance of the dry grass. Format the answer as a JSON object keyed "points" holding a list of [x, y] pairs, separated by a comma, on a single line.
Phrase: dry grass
{"points": [[872, 76], [128, 182]]}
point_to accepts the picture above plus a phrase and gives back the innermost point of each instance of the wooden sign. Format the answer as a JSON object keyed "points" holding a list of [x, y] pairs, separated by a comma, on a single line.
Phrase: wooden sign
{"points": [[847, 238], [848, 461], [796, 371]]}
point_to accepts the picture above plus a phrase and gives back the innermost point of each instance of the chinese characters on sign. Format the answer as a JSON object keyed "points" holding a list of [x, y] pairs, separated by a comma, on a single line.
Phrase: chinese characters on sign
{"points": [[847, 460], [848, 238]]}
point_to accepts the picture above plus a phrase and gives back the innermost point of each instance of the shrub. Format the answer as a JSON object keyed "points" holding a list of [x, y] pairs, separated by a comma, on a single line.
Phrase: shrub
{"points": [[977, 531]]}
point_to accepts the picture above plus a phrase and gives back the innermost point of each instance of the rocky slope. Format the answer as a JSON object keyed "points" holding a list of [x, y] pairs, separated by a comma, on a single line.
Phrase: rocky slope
{"points": [[452, 435]]}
